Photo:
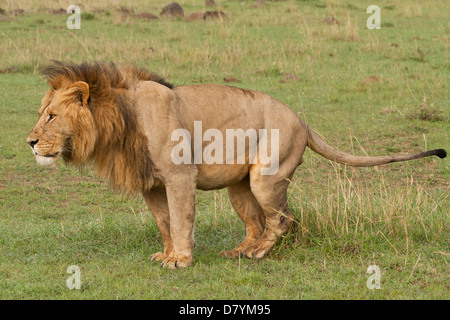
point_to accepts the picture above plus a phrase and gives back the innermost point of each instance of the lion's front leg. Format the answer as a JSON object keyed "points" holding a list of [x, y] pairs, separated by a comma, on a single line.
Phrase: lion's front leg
{"points": [[156, 200], [181, 201]]}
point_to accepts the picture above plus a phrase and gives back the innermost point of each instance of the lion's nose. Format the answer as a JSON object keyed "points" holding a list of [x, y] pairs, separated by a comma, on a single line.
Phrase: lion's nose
{"points": [[32, 143]]}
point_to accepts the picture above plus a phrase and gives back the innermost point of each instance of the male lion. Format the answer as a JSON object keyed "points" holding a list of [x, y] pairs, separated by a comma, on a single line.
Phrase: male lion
{"points": [[122, 119]]}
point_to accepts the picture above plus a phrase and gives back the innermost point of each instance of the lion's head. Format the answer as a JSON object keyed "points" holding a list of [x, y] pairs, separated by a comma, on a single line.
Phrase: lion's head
{"points": [[65, 127]]}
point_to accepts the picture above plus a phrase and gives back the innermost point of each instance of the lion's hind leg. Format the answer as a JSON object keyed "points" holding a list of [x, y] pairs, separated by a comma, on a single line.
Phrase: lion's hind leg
{"points": [[250, 212], [270, 191]]}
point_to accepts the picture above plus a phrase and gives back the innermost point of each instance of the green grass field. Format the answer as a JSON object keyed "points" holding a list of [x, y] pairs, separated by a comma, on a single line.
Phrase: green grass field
{"points": [[367, 91]]}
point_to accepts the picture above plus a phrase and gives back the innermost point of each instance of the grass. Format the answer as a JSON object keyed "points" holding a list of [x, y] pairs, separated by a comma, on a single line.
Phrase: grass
{"points": [[367, 91]]}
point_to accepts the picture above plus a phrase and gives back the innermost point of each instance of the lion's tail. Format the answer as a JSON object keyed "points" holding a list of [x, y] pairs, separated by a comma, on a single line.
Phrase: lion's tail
{"points": [[317, 144]]}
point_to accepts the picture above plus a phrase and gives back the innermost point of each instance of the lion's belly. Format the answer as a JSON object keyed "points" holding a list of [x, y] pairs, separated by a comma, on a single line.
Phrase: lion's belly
{"points": [[218, 176]]}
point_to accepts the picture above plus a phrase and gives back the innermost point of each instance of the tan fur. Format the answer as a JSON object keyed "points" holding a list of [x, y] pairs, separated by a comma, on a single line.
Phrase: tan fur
{"points": [[121, 119]]}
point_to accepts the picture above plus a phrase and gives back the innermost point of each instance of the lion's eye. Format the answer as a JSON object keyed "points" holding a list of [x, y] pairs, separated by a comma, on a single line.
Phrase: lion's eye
{"points": [[51, 117]]}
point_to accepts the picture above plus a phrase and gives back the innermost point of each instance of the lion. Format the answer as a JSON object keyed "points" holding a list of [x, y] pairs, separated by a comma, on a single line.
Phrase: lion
{"points": [[121, 119]]}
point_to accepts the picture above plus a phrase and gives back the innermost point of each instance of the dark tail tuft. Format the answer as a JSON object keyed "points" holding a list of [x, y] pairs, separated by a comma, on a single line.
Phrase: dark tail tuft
{"points": [[441, 153]]}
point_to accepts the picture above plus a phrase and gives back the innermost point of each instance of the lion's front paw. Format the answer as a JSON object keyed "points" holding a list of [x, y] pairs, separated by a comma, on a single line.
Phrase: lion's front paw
{"points": [[176, 262], [158, 256]]}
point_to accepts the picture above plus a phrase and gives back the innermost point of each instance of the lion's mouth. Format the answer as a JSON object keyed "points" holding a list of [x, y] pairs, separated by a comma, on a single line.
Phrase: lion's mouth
{"points": [[54, 155]]}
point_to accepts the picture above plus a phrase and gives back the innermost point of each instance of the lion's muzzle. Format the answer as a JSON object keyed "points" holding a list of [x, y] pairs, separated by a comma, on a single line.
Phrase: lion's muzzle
{"points": [[42, 159]]}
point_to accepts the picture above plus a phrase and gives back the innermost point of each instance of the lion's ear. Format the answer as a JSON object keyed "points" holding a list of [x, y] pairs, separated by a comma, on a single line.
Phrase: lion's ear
{"points": [[81, 90]]}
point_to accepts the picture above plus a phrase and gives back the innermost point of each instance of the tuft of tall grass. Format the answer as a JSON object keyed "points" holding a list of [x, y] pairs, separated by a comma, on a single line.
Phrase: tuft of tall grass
{"points": [[350, 203]]}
